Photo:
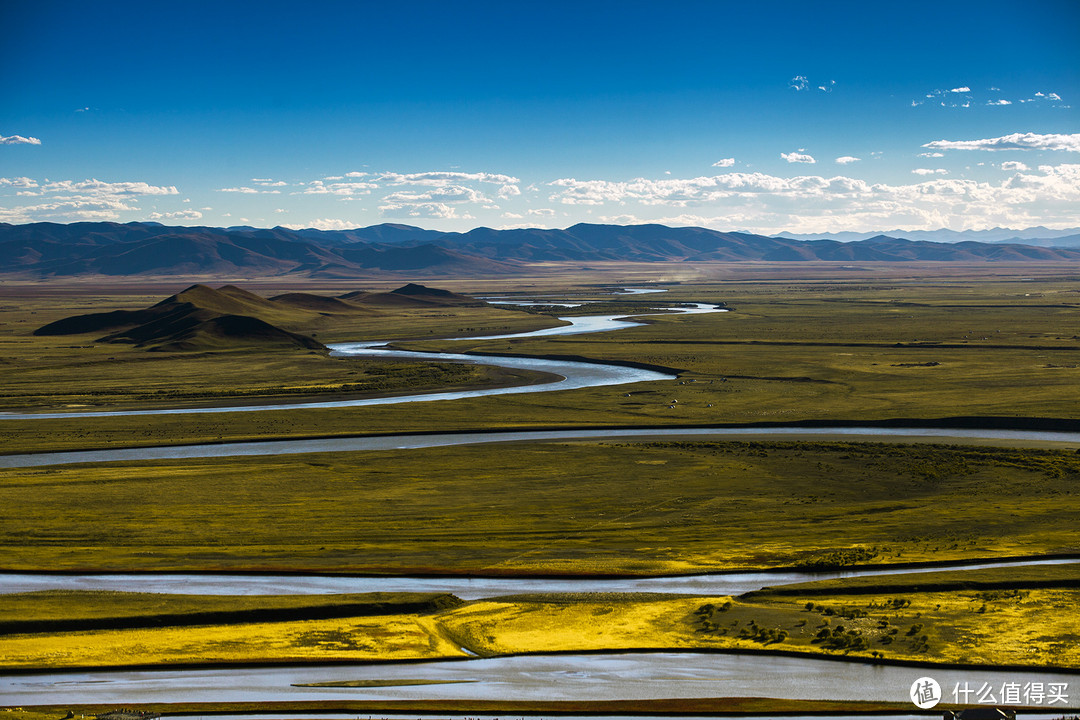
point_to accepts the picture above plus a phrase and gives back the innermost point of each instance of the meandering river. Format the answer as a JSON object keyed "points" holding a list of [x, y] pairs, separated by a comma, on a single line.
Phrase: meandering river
{"points": [[573, 375], [536, 677]]}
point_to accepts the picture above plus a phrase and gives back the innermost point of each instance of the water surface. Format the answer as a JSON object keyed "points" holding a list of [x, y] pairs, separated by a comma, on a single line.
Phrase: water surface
{"points": [[629, 676]]}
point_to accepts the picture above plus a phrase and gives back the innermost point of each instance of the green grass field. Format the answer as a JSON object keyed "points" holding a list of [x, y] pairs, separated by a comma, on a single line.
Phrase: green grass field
{"points": [[788, 351], [546, 508], [859, 344]]}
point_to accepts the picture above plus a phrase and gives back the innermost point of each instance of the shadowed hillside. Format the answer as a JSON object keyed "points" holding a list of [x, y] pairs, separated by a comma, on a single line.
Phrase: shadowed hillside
{"points": [[413, 295], [201, 318]]}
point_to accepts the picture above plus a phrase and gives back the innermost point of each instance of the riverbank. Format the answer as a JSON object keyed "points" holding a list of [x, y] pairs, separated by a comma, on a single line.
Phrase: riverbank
{"points": [[974, 618], [719, 706]]}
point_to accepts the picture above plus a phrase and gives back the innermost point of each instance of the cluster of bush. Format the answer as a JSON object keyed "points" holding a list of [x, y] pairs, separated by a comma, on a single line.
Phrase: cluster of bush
{"points": [[704, 616], [838, 558], [765, 636], [838, 638], [845, 612]]}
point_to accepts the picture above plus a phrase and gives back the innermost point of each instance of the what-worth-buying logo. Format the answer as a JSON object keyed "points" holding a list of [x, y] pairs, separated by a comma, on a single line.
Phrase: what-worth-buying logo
{"points": [[926, 692]]}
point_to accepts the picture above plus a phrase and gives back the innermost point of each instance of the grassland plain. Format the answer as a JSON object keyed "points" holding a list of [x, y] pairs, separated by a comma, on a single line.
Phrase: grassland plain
{"points": [[788, 351], [574, 508], [880, 345], [79, 371], [996, 617]]}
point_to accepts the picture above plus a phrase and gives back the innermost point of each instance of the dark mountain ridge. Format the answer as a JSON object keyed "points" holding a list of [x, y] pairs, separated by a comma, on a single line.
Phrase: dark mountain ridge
{"points": [[45, 250]]}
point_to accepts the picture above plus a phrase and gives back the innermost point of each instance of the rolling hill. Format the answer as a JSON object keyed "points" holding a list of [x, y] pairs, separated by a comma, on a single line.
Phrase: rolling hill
{"points": [[201, 318]]}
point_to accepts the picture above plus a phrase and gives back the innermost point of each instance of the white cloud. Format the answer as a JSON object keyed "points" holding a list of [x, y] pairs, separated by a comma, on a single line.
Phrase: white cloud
{"points": [[724, 162], [964, 97], [795, 157], [269, 183], [443, 194], [446, 178], [1013, 165], [847, 160], [342, 189], [931, 154], [927, 171], [512, 216], [441, 211], [801, 82], [100, 188], [65, 211], [18, 140], [323, 224], [541, 212], [1015, 141], [809, 203], [70, 201], [524, 226], [355, 174], [249, 191], [21, 182], [508, 191], [180, 215]]}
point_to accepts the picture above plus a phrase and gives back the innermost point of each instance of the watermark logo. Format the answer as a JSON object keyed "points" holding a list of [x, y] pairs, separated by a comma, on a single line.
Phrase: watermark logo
{"points": [[925, 693]]}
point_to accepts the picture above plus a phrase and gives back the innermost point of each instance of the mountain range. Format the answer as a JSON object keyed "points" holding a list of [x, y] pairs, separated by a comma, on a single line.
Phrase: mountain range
{"points": [[1039, 236], [45, 250]]}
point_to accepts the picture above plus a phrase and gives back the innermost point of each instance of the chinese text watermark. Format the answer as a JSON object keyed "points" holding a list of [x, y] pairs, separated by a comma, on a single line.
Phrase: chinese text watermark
{"points": [[927, 692]]}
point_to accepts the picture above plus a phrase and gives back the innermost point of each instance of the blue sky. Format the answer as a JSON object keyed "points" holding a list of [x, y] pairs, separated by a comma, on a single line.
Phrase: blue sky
{"points": [[769, 116]]}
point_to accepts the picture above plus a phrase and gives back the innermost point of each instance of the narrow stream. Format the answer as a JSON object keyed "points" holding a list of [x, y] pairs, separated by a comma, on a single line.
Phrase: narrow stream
{"points": [[574, 375]]}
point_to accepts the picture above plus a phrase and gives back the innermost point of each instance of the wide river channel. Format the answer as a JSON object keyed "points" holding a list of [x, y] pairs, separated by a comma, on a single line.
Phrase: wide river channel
{"points": [[623, 676]]}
